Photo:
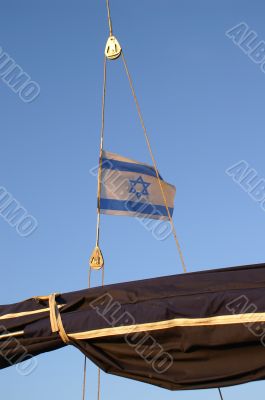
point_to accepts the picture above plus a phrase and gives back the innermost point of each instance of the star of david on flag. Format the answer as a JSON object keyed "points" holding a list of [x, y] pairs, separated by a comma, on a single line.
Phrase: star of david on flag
{"points": [[139, 182], [131, 188]]}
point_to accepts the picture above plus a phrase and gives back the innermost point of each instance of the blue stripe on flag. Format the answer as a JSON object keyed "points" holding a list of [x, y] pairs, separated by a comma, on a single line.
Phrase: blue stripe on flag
{"points": [[135, 207], [108, 163]]}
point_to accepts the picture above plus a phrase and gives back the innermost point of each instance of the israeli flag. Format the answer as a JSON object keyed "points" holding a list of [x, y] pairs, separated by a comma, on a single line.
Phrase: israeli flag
{"points": [[131, 188]]}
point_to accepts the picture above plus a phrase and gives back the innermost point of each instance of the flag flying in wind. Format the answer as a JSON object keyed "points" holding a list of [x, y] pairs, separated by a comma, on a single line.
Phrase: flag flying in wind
{"points": [[131, 188]]}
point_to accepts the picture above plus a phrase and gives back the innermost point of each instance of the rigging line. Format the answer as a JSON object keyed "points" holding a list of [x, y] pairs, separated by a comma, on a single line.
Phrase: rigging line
{"points": [[85, 361], [99, 192], [109, 18], [99, 383], [99, 371], [101, 148], [154, 162], [220, 393], [84, 380]]}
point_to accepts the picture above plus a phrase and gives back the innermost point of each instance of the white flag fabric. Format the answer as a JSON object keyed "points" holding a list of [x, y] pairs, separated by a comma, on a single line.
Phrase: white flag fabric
{"points": [[131, 188]]}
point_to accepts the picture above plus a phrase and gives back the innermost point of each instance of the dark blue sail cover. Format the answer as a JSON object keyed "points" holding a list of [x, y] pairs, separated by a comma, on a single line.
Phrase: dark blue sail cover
{"points": [[198, 330]]}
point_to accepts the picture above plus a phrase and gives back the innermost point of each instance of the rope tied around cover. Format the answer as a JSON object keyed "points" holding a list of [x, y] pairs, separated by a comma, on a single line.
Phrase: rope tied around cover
{"points": [[56, 319]]}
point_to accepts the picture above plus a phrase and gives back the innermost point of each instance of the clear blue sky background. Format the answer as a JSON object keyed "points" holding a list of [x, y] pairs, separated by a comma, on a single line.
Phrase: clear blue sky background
{"points": [[203, 103]]}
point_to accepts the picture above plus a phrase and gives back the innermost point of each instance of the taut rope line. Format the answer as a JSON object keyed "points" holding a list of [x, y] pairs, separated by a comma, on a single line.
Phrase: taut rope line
{"points": [[154, 162], [101, 149], [109, 18]]}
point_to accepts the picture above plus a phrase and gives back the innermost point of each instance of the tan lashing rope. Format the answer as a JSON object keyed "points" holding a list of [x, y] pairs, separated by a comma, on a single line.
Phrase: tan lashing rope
{"points": [[56, 319]]}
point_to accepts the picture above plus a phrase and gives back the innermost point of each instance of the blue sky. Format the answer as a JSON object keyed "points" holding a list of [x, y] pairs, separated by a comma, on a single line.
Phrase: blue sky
{"points": [[202, 100]]}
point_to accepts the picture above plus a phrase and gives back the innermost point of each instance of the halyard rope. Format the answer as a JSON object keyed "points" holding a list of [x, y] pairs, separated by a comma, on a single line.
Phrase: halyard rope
{"points": [[154, 162], [101, 148], [109, 18], [98, 205]]}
